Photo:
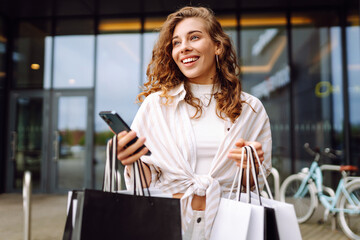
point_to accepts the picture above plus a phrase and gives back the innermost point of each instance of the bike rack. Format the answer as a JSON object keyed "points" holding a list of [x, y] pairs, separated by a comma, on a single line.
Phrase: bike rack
{"points": [[27, 204], [276, 176], [275, 173]]}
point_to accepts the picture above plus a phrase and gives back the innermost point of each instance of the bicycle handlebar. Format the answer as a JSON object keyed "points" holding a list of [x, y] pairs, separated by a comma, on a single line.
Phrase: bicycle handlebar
{"points": [[312, 152], [331, 153]]}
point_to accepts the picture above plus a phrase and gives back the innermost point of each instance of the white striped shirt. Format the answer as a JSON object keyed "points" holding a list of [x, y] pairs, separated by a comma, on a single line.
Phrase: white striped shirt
{"points": [[170, 138]]}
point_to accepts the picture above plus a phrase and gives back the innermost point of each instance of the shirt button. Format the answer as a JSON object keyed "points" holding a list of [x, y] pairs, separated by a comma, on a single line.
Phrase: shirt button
{"points": [[228, 129], [198, 220]]}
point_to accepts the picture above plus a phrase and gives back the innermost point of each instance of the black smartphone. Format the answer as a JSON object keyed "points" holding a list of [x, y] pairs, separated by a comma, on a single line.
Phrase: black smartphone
{"points": [[117, 124]]}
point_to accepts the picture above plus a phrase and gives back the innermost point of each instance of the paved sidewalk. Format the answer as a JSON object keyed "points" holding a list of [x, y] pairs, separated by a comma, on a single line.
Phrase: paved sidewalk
{"points": [[48, 217], [49, 214]]}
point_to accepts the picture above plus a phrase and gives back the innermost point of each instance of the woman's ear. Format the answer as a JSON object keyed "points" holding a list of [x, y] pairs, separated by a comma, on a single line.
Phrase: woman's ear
{"points": [[218, 48]]}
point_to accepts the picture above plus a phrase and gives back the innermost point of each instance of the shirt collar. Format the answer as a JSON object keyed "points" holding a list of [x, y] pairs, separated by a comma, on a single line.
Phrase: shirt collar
{"points": [[178, 92]]}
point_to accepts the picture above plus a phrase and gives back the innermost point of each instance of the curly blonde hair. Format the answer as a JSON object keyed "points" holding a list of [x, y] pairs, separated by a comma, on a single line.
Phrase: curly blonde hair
{"points": [[163, 73]]}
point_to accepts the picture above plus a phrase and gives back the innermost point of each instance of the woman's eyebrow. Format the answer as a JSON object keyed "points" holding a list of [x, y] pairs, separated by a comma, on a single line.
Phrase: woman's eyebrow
{"points": [[194, 31], [190, 32]]}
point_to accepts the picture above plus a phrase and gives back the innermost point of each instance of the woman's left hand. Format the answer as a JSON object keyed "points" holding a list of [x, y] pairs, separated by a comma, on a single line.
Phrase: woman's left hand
{"points": [[235, 153]]}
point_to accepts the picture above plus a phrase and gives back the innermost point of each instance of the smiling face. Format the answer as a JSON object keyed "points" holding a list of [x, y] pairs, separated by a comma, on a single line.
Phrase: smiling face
{"points": [[194, 51]]}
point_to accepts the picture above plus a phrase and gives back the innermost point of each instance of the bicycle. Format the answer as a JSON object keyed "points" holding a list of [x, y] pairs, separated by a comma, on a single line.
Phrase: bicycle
{"points": [[305, 189]]}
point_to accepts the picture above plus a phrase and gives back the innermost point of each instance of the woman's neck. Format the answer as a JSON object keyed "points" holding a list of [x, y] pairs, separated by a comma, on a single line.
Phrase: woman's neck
{"points": [[203, 81]]}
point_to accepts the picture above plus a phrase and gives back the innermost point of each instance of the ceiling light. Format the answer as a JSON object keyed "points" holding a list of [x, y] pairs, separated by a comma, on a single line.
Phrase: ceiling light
{"points": [[35, 66]]}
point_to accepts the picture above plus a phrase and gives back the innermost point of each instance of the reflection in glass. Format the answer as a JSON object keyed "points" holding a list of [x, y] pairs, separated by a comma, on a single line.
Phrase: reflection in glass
{"points": [[265, 74], [118, 83], [74, 61], [152, 27], [70, 149], [229, 24], [318, 104], [353, 68], [32, 54], [27, 140], [149, 41], [3, 46], [119, 25], [3, 41]]}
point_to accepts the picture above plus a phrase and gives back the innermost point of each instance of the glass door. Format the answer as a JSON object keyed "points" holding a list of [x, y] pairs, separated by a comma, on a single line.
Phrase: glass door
{"points": [[26, 139], [50, 135], [71, 140]]}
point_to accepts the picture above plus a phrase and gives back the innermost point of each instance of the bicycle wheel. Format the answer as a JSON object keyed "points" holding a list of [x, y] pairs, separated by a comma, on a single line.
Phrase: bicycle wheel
{"points": [[350, 222], [306, 203]]}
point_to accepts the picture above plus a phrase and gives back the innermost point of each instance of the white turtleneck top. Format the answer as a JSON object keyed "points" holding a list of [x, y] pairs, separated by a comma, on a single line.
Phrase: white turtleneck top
{"points": [[209, 129]]}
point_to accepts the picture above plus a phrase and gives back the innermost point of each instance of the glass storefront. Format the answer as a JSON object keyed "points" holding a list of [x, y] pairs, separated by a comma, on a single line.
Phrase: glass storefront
{"points": [[51, 101], [74, 46], [265, 74], [317, 83], [31, 60], [27, 140], [292, 61], [353, 72], [3, 41], [118, 79], [3, 45]]}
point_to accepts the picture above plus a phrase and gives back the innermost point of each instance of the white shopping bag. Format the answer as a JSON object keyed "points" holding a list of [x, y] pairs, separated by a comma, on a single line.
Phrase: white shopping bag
{"points": [[256, 223], [232, 220], [233, 216], [254, 228]]}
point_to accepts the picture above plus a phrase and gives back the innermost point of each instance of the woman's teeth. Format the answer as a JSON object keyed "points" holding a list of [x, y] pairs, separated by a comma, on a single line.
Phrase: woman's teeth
{"points": [[187, 60]]}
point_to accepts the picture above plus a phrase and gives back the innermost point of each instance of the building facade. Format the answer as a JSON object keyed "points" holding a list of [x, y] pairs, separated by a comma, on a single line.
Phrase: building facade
{"points": [[62, 62]]}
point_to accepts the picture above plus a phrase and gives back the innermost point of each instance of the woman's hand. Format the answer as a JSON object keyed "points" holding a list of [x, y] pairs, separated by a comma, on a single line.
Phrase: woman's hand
{"points": [[235, 154], [126, 154]]}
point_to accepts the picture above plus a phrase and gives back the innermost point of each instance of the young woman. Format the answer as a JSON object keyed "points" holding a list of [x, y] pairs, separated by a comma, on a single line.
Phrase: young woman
{"points": [[195, 118]]}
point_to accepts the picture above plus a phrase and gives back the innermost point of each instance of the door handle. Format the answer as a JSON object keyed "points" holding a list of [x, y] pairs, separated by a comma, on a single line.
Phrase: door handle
{"points": [[56, 146], [13, 145]]}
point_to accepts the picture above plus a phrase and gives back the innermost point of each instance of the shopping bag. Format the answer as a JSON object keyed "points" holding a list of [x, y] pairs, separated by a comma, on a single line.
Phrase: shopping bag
{"points": [[71, 215], [263, 224], [286, 221], [232, 219], [120, 215], [106, 215], [284, 213]]}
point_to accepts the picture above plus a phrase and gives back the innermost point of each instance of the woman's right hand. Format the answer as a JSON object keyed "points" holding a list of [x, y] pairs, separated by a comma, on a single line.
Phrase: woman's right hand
{"points": [[126, 154]]}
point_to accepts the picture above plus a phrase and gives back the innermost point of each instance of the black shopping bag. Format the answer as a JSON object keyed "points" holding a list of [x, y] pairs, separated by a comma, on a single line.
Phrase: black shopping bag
{"points": [[270, 224], [110, 214], [106, 215]]}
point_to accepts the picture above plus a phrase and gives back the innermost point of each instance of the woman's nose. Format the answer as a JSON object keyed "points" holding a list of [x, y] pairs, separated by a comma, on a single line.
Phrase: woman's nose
{"points": [[185, 47]]}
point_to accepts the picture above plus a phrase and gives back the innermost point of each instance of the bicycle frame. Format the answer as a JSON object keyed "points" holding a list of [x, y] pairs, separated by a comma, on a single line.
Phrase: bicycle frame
{"points": [[328, 202]]}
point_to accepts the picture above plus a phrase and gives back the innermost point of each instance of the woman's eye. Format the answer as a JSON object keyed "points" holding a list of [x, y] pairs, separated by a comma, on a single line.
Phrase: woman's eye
{"points": [[176, 43], [194, 37]]}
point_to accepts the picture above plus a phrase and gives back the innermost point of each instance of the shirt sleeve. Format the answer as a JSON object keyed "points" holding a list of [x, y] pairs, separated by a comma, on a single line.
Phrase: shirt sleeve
{"points": [[155, 175], [265, 139], [140, 125]]}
